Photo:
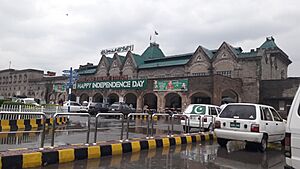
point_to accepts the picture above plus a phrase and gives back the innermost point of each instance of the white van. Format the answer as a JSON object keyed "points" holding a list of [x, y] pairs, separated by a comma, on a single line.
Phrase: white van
{"points": [[292, 135]]}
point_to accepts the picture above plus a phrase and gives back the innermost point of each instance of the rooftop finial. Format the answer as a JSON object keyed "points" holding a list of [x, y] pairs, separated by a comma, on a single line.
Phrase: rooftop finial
{"points": [[270, 38]]}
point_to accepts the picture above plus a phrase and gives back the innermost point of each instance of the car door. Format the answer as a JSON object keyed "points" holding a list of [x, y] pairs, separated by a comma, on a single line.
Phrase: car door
{"points": [[72, 107], [268, 124], [279, 124], [76, 107], [127, 109], [214, 112]]}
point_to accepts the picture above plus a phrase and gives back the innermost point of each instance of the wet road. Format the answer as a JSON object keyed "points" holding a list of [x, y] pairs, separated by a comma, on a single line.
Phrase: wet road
{"points": [[192, 156], [75, 132]]}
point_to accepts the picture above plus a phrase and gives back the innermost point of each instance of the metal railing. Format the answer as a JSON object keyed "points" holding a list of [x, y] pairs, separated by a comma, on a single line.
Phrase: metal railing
{"points": [[48, 110], [71, 114], [198, 117], [6, 109], [152, 121], [187, 122], [108, 114], [137, 114], [20, 108], [212, 122], [33, 113], [51, 110]]}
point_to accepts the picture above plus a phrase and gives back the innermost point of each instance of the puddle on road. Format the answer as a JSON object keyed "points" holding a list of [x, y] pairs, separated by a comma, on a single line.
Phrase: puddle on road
{"points": [[191, 156], [109, 129], [235, 146]]}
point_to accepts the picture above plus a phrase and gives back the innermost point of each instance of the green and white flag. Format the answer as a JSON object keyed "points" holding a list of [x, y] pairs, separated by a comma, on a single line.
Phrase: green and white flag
{"points": [[197, 109]]}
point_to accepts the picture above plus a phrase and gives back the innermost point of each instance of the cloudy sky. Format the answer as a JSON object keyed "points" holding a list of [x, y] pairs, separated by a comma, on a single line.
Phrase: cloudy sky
{"points": [[56, 34]]}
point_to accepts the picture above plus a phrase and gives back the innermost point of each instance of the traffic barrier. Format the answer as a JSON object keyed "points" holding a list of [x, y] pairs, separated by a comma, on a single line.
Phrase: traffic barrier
{"points": [[144, 117], [28, 124], [56, 115], [63, 154], [107, 114]]}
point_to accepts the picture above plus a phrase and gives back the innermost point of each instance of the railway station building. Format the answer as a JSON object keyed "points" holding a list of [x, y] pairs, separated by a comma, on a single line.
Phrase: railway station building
{"points": [[203, 76]]}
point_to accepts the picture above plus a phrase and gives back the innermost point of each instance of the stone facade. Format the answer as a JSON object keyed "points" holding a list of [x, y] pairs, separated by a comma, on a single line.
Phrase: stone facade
{"points": [[30, 83], [212, 74], [17, 83], [279, 93]]}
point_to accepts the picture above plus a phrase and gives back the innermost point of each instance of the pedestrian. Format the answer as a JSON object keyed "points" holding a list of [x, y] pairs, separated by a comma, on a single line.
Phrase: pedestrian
{"points": [[145, 108]]}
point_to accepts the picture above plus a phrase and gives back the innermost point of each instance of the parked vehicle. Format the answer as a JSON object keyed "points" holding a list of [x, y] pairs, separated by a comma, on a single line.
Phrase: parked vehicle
{"points": [[292, 135], [120, 107], [205, 111], [28, 101], [74, 107], [256, 124], [94, 108]]}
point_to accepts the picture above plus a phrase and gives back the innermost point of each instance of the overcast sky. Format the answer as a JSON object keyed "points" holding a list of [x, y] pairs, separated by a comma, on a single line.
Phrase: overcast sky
{"points": [[56, 34]]}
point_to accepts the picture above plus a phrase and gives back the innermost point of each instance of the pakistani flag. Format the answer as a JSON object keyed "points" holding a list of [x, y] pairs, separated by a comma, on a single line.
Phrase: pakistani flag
{"points": [[197, 109]]}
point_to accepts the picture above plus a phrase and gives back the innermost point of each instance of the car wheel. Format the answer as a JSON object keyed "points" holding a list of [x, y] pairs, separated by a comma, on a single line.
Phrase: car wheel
{"points": [[222, 142], [262, 146]]}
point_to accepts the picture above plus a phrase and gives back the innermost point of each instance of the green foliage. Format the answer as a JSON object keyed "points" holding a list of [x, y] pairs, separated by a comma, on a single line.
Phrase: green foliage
{"points": [[3, 100]]}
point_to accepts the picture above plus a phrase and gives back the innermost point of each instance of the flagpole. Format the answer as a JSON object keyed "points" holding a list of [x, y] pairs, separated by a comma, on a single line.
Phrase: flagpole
{"points": [[155, 35]]}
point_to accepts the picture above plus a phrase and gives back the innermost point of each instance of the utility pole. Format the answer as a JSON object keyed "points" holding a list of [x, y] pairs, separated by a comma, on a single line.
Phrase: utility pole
{"points": [[70, 89]]}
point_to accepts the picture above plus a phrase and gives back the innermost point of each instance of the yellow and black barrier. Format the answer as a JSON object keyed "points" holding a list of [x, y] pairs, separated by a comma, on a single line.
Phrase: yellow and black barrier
{"points": [[144, 117], [37, 158], [28, 124]]}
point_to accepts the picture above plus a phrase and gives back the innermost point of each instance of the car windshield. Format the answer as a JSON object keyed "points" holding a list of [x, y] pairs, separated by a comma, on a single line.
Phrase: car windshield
{"points": [[239, 112], [195, 109]]}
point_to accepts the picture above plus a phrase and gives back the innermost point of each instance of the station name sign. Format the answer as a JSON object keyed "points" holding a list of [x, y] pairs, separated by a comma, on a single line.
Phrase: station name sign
{"points": [[117, 50], [118, 84]]}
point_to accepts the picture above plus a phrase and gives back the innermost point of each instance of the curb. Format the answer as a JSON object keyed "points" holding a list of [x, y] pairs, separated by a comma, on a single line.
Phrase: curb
{"points": [[63, 154], [28, 124]]}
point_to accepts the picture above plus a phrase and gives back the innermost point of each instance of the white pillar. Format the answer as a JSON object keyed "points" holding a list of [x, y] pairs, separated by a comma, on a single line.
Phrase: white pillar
{"points": [[121, 99]]}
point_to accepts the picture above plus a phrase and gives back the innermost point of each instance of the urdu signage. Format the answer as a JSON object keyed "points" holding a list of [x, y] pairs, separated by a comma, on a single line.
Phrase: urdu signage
{"points": [[117, 84], [117, 50]]}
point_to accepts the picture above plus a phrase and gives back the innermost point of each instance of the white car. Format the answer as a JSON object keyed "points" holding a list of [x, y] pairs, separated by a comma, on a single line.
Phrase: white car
{"points": [[256, 124], [74, 107], [206, 111], [28, 101], [292, 137]]}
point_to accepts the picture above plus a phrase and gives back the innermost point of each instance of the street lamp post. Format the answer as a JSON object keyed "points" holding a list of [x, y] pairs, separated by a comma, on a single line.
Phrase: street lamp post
{"points": [[70, 89]]}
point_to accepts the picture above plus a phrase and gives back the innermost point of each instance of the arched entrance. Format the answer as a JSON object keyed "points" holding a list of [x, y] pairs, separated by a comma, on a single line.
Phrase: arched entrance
{"points": [[200, 98], [172, 100], [52, 98], [73, 97], [98, 97], [130, 98], [150, 99], [84, 97], [229, 96], [61, 98], [112, 98]]}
